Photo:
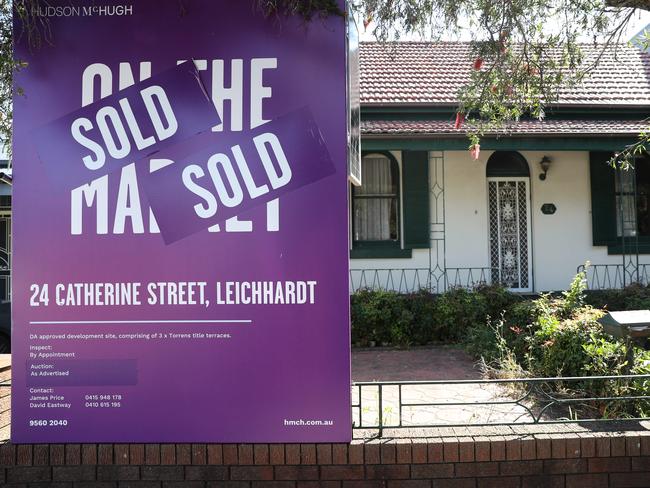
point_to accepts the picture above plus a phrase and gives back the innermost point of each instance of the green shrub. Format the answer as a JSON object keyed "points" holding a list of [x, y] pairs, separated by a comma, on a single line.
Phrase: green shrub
{"points": [[632, 297], [573, 299], [482, 341], [377, 317], [422, 307], [456, 312], [522, 321], [550, 336], [561, 336], [641, 387], [388, 318], [604, 357], [557, 344], [498, 299]]}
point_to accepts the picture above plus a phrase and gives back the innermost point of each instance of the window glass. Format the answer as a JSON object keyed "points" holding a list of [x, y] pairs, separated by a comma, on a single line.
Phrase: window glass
{"points": [[633, 211], [375, 202]]}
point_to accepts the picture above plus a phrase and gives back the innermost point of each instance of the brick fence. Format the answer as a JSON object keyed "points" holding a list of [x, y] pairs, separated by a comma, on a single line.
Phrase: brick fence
{"points": [[505, 457]]}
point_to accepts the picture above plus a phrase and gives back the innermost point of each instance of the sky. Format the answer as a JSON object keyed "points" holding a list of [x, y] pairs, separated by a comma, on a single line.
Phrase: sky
{"points": [[640, 20]]}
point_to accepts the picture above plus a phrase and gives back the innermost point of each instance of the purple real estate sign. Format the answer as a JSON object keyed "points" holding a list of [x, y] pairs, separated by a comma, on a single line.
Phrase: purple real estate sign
{"points": [[180, 266]]}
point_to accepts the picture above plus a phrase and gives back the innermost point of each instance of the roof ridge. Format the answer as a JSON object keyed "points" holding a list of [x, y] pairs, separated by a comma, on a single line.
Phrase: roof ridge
{"points": [[469, 43]]}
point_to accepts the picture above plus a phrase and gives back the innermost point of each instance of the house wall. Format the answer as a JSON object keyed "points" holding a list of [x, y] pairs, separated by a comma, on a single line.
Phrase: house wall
{"points": [[400, 274], [560, 242], [563, 241], [459, 223], [466, 218]]}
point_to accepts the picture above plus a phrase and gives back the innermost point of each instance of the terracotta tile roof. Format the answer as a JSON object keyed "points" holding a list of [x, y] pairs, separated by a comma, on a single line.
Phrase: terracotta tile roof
{"points": [[432, 72], [524, 127]]}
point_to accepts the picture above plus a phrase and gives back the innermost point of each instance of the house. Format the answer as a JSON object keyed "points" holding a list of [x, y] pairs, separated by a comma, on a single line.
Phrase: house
{"points": [[539, 202]]}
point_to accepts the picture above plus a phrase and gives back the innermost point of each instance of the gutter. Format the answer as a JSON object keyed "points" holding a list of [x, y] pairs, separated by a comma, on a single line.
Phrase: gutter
{"points": [[439, 135]]}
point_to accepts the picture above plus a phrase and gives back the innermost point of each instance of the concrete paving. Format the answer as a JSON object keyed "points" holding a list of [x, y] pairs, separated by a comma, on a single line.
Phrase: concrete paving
{"points": [[428, 364], [415, 364]]}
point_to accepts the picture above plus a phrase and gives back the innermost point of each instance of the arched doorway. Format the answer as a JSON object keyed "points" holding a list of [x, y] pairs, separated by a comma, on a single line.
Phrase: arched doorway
{"points": [[508, 179]]}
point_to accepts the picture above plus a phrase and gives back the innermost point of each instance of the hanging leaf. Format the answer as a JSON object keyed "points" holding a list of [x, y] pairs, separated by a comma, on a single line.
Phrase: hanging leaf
{"points": [[460, 119], [475, 151]]}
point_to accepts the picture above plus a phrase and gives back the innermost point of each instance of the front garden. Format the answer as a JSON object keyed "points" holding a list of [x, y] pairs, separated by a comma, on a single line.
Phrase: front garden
{"points": [[511, 336]]}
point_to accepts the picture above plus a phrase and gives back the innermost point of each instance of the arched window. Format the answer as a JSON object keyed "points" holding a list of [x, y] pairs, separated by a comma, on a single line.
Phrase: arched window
{"points": [[375, 204], [507, 163]]}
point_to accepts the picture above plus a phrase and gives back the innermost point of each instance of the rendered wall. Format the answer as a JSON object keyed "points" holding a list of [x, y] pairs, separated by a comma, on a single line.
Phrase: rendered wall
{"points": [[560, 242], [459, 221]]}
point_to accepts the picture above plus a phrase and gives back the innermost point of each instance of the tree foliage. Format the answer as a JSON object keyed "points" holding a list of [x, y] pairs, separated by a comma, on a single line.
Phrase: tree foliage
{"points": [[7, 68], [523, 51], [306, 9], [37, 32]]}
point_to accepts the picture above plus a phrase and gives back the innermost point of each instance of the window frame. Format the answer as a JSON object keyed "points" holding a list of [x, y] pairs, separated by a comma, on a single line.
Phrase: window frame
{"points": [[604, 208], [391, 248]]}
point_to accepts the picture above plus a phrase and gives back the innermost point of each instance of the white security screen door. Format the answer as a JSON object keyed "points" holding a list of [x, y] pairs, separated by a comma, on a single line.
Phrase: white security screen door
{"points": [[509, 231]]}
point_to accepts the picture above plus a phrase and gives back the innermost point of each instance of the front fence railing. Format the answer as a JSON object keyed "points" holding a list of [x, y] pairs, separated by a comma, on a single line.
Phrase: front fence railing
{"points": [[405, 280], [493, 402], [409, 280], [377, 406], [613, 276], [467, 278]]}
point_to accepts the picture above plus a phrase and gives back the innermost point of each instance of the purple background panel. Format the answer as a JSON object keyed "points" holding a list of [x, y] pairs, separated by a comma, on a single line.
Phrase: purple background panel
{"points": [[83, 372], [302, 144], [286, 362], [63, 156]]}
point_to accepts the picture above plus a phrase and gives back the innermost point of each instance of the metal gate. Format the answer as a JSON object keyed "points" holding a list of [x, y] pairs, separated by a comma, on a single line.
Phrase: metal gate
{"points": [[509, 231]]}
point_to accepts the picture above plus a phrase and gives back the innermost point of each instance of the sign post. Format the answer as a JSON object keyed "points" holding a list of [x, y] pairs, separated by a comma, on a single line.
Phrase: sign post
{"points": [[180, 226]]}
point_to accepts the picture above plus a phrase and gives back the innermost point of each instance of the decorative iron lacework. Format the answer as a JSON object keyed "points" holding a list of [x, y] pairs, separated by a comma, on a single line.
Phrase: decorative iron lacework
{"points": [[523, 233], [494, 226], [508, 232]]}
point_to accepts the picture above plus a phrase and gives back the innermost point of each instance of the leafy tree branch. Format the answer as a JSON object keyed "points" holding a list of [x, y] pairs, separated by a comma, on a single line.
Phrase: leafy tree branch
{"points": [[523, 52]]}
